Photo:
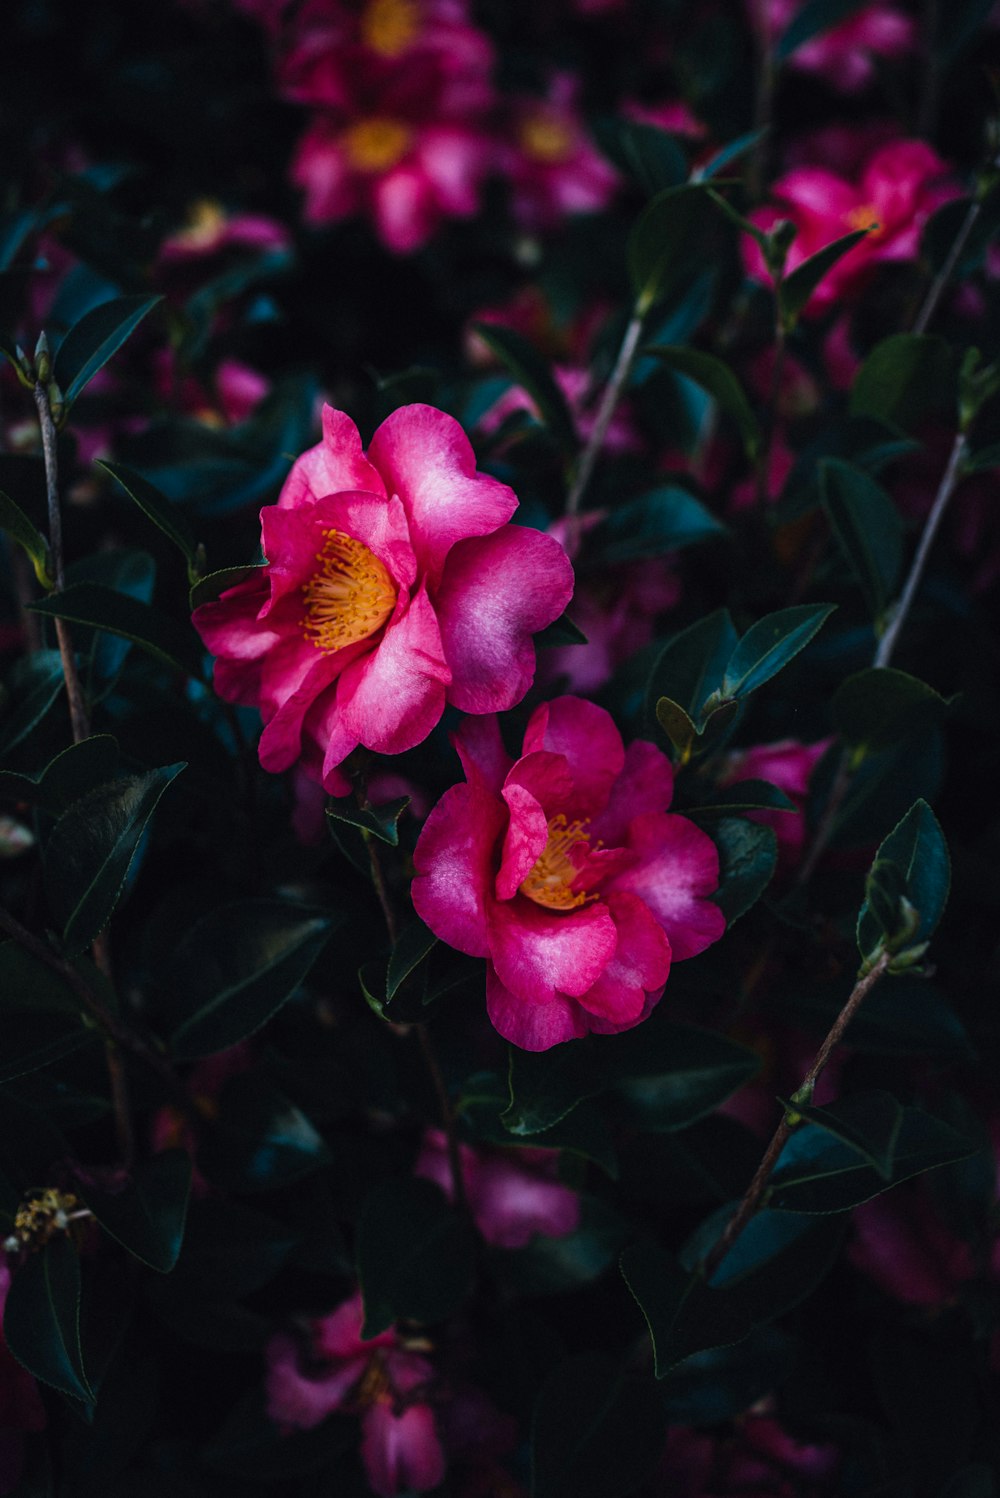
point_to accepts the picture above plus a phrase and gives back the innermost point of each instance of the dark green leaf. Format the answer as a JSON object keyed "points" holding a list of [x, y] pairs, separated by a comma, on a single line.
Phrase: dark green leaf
{"points": [[169, 517], [651, 156], [748, 856], [147, 1215], [669, 241], [770, 644], [547, 1085], [236, 966], [561, 631], [378, 821], [677, 725], [799, 285], [91, 850], [730, 152], [715, 376], [532, 373], [35, 684], [208, 588], [415, 1255], [868, 1122], [98, 335], [665, 1076], [78, 769], [15, 522], [722, 1382], [744, 795], [815, 17], [880, 706], [259, 1139], [42, 1319], [164, 638], [597, 1432], [918, 849], [414, 944], [28, 983], [31, 1041], [684, 1316], [905, 378], [868, 527], [691, 666], [658, 522]]}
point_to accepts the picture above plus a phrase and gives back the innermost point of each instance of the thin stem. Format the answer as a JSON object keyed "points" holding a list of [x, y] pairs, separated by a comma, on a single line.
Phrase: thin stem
{"points": [[609, 401], [947, 270], [755, 1191], [74, 692]]}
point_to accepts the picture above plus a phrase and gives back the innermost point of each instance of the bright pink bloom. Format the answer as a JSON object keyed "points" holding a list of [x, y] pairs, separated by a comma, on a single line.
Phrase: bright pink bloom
{"points": [[394, 584], [675, 116], [210, 230], [378, 1378], [577, 386], [513, 1194], [788, 765], [552, 165], [565, 872], [899, 188], [845, 55]]}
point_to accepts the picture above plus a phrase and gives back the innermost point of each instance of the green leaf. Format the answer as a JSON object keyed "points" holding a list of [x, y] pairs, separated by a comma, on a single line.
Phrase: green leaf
{"points": [[75, 771], [674, 1075], [744, 795], [715, 376], [42, 1319], [147, 1215], [651, 156], [728, 153], [92, 604], [236, 966], [905, 378], [378, 821], [35, 684], [415, 1255], [208, 588], [677, 725], [597, 1432], [770, 644], [259, 1139], [868, 1122], [91, 849], [669, 241], [15, 522], [532, 373], [660, 521], [31, 1041], [815, 17], [878, 707], [690, 667], [561, 631], [748, 857], [868, 527], [92, 341], [168, 517], [817, 1173], [414, 944], [917, 848], [798, 286], [28, 983], [545, 1086]]}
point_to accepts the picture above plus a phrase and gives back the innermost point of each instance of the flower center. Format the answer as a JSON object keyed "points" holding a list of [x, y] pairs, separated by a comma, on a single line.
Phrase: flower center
{"points": [[389, 26], [376, 144], [348, 597], [550, 881], [865, 216], [205, 222], [546, 139]]}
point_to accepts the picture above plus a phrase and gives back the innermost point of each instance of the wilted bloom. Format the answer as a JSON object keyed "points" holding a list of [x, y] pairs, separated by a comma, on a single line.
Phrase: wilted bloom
{"points": [[564, 870], [553, 167], [512, 1193], [899, 188], [380, 1378], [843, 55], [788, 765], [393, 585]]}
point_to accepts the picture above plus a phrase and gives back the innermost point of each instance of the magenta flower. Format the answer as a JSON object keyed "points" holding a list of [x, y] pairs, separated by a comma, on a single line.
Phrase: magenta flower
{"points": [[788, 765], [844, 55], [553, 167], [513, 1194], [394, 585], [379, 1378], [564, 870], [899, 188]]}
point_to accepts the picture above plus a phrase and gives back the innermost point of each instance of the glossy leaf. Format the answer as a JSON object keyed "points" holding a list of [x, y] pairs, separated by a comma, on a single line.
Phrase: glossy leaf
{"points": [[748, 857], [169, 518], [237, 966], [665, 1076], [148, 1214], [376, 821], [42, 1318], [597, 1432], [652, 157], [532, 373], [35, 685], [661, 521], [414, 944], [160, 635], [798, 286], [545, 1086], [208, 588], [769, 645], [32, 1041], [690, 667], [668, 241], [917, 848], [904, 378], [730, 152], [715, 376], [92, 341], [743, 795], [868, 527], [869, 1122], [15, 522], [880, 706], [91, 850], [423, 1273]]}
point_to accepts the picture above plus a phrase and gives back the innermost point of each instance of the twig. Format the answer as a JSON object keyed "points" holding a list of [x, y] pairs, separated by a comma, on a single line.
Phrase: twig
{"points": [[947, 270], [605, 411], [755, 1191]]}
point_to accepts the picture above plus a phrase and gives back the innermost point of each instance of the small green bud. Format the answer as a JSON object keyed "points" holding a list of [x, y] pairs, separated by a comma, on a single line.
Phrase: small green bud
{"points": [[43, 360]]}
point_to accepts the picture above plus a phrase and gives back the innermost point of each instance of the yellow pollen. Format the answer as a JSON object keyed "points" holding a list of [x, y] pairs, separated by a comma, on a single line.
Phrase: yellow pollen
{"points": [[389, 27], [550, 881], [546, 139], [864, 217], [376, 144], [205, 222], [348, 597]]}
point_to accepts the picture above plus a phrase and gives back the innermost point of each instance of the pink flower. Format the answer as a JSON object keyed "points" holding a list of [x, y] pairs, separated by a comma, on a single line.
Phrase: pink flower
{"points": [[513, 1194], [788, 765], [379, 1378], [210, 230], [552, 166], [565, 872], [899, 188], [900, 1243], [844, 56], [394, 585]]}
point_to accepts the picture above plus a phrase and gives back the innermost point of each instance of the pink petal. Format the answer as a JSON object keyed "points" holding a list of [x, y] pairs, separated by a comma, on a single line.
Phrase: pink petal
{"points": [[297, 1400], [481, 750], [281, 741], [524, 841], [291, 540], [533, 1027], [511, 1205], [333, 465], [424, 456], [638, 968], [230, 626], [455, 860], [677, 868], [338, 1335], [392, 697], [591, 743], [495, 593], [539, 953], [401, 1451], [546, 777], [405, 210], [645, 784]]}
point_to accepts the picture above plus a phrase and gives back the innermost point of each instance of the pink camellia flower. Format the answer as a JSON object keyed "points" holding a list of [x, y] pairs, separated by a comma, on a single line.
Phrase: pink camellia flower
{"points": [[844, 55], [394, 585], [899, 188], [210, 229], [553, 167], [513, 1194], [380, 1378], [564, 870], [788, 765]]}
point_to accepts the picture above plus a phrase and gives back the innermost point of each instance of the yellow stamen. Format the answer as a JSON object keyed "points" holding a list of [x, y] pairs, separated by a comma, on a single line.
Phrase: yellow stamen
{"points": [[546, 138], [205, 222], [376, 144], [348, 597], [864, 217], [389, 27], [550, 881]]}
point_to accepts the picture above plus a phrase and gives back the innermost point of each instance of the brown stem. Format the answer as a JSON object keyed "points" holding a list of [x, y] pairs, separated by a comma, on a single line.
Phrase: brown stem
{"points": [[74, 692], [758, 1186]]}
